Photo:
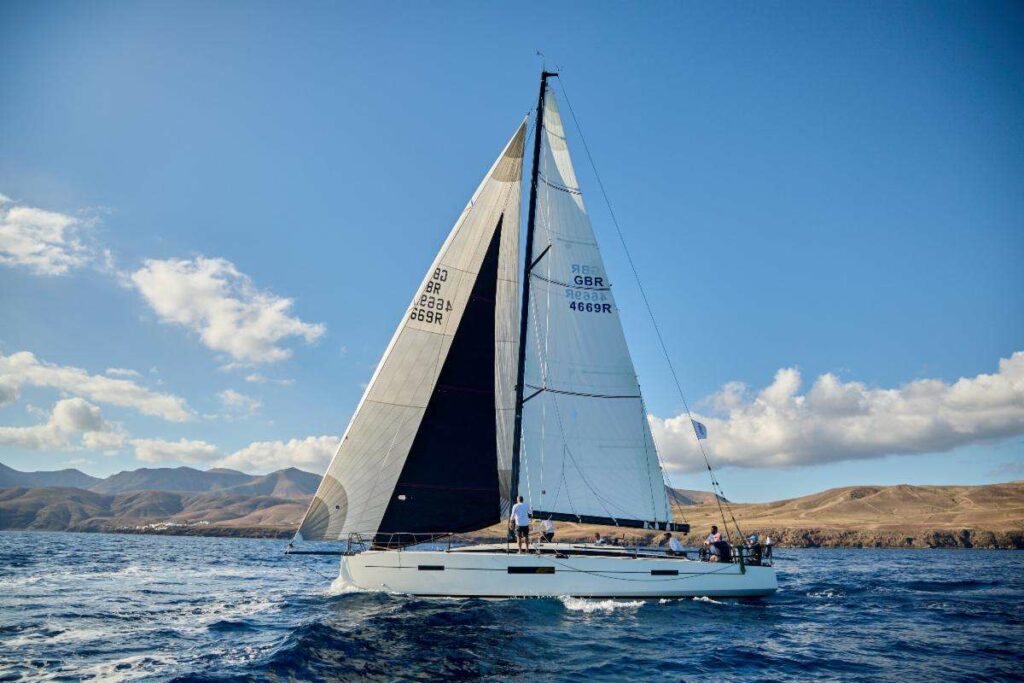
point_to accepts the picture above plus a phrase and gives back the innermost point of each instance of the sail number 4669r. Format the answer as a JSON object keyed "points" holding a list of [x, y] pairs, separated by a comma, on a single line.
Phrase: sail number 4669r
{"points": [[431, 307]]}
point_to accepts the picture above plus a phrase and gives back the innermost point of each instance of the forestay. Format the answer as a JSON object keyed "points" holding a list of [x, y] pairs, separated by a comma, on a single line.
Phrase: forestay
{"points": [[587, 450], [428, 450]]}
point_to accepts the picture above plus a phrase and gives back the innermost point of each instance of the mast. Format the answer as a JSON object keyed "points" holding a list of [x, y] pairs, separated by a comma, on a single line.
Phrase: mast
{"points": [[524, 311]]}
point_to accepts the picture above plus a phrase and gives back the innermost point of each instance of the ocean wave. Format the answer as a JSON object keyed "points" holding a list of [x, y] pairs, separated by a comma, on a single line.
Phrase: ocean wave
{"points": [[134, 667], [157, 609], [704, 598], [341, 586], [591, 605]]}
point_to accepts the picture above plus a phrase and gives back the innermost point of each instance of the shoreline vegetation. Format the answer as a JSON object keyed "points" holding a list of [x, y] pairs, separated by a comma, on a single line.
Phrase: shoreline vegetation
{"points": [[225, 503]]}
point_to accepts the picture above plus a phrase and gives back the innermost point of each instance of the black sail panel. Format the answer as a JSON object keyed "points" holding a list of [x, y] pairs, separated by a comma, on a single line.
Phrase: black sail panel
{"points": [[449, 482]]}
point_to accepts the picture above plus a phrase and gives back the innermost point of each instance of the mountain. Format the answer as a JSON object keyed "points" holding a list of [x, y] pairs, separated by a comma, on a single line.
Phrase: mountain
{"points": [[891, 516], [49, 508], [989, 516], [12, 477], [228, 502], [287, 483], [690, 497], [179, 500], [214, 513], [171, 479]]}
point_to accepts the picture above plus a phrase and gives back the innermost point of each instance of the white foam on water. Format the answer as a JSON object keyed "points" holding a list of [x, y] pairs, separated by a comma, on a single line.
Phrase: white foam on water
{"points": [[52, 633], [130, 570], [705, 598], [591, 605], [127, 668], [198, 617], [341, 586], [15, 582]]}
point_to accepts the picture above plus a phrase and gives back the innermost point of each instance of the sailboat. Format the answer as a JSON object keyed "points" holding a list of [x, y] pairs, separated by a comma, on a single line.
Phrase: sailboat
{"points": [[493, 388]]}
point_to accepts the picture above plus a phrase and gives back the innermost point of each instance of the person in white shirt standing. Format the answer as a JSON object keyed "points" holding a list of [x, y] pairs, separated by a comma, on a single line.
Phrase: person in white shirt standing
{"points": [[520, 518]]}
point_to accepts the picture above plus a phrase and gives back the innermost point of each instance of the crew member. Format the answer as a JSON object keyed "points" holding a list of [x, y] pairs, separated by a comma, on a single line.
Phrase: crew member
{"points": [[549, 531], [520, 519], [717, 546], [756, 549], [674, 546]]}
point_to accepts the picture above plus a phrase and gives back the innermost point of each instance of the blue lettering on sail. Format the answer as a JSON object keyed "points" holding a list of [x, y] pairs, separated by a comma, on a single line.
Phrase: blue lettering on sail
{"points": [[587, 290]]}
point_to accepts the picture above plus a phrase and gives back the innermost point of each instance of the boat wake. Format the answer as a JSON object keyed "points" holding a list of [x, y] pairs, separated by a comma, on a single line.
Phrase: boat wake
{"points": [[705, 598], [591, 605], [342, 586]]}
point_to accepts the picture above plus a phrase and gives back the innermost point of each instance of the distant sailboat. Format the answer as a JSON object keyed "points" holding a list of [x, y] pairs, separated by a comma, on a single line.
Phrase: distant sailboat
{"points": [[478, 400]]}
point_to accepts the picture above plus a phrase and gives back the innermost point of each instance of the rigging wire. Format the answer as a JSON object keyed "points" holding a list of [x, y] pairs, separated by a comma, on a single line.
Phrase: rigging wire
{"points": [[717, 488]]}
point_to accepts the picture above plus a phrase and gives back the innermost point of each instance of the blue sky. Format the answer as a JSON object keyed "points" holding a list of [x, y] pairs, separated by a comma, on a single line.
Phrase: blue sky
{"points": [[834, 188]]}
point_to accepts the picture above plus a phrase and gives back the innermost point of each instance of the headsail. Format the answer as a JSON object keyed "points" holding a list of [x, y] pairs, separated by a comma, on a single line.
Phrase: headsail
{"points": [[428, 450], [587, 451]]}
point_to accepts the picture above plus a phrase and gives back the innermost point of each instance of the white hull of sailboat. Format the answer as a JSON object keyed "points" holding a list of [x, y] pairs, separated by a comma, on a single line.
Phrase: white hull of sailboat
{"points": [[486, 573]]}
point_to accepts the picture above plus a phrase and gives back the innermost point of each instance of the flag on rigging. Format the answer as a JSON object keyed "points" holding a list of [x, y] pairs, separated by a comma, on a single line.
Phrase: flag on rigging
{"points": [[702, 431]]}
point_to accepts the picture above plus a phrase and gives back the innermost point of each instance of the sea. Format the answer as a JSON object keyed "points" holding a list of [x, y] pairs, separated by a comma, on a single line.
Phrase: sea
{"points": [[162, 608]]}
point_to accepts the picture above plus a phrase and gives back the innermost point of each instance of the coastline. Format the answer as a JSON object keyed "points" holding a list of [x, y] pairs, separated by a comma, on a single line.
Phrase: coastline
{"points": [[917, 539]]}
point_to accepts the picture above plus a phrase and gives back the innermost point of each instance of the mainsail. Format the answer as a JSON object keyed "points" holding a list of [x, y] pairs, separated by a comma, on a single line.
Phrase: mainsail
{"points": [[587, 452], [428, 450]]}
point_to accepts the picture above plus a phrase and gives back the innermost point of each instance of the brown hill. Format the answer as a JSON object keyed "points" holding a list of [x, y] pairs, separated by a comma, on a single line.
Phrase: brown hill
{"points": [[990, 516], [10, 477], [170, 479], [49, 508], [915, 516], [689, 496], [883, 516], [69, 509], [286, 483]]}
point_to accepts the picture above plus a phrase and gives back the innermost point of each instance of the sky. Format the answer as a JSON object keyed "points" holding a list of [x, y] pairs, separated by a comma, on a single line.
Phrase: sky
{"points": [[214, 214]]}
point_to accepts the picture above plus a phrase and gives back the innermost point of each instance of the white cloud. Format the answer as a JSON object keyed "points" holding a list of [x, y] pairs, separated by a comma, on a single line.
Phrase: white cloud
{"points": [[108, 442], [311, 454], [45, 242], [183, 450], [9, 390], [22, 368], [838, 420], [257, 378], [212, 298], [73, 423], [122, 372], [238, 402]]}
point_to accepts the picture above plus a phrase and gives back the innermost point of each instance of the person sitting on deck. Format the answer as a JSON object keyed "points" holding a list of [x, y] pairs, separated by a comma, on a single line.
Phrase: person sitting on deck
{"points": [[599, 539], [520, 519], [549, 531], [674, 546], [718, 546], [756, 551]]}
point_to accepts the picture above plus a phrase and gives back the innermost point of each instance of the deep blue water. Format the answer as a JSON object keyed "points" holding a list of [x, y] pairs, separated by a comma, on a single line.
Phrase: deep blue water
{"points": [[97, 606]]}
